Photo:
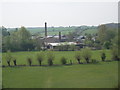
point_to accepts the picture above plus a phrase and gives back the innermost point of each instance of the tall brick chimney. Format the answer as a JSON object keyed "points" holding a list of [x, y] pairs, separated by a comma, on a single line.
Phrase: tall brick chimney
{"points": [[60, 36], [45, 29]]}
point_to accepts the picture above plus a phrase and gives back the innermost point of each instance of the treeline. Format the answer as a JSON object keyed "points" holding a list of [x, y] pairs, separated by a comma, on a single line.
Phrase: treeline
{"points": [[18, 40]]}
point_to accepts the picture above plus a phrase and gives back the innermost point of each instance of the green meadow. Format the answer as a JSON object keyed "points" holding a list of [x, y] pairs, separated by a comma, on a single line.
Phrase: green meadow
{"points": [[100, 75], [90, 31], [70, 55]]}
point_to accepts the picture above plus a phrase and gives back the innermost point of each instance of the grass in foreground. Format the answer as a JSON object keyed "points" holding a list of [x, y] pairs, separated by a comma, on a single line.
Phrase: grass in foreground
{"points": [[102, 75]]}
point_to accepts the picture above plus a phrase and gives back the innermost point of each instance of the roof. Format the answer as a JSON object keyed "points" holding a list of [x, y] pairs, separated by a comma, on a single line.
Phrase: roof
{"points": [[62, 43]]}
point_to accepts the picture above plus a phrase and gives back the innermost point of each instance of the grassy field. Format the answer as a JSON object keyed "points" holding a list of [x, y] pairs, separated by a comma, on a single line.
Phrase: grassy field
{"points": [[52, 31], [101, 75], [70, 55], [0, 78], [90, 31]]}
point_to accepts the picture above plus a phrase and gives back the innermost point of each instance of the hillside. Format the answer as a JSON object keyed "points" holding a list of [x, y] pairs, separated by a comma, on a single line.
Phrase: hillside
{"points": [[65, 30]]}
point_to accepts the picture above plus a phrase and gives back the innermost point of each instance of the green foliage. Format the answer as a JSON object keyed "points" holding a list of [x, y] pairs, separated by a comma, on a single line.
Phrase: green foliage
{"points": [[115, 54], [50, 58], [78, 56], [102, 33], [40, 57], [103, 56], [105, 35], [72, 47], [63, 60], [89, 43], [8, 57], [107, 45], [19, 40], [4, 31], [29, 59], [94, 61], [86, 53]]}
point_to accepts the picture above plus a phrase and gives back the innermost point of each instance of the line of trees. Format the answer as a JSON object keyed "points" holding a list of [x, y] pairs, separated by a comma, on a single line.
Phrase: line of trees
{"points": [[84, 53]]}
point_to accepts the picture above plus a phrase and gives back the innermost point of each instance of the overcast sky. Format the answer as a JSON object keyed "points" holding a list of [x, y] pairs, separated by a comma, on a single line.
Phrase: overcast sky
{"points": [[32, 14]]}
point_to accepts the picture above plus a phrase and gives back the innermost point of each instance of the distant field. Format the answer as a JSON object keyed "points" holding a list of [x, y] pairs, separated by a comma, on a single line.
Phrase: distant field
{"points": [[90, 31], [101, 75], [52, 31], [56, 30], [64, 30]]}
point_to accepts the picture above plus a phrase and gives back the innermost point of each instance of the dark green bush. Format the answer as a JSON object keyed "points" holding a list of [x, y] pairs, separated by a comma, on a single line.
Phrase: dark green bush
{"points": [[103, 56], [86, 52], [63, 60], [50, 58], [29, 61], [40, 57], [78, 57]]}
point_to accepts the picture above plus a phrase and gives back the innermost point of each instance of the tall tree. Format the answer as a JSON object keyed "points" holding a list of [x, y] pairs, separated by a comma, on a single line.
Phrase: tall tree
{"points": [[101, 33]]}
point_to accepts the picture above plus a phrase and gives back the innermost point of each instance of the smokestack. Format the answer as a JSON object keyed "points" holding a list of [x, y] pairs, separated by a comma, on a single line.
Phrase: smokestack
{"points": [[60, 36], [45, 29]]}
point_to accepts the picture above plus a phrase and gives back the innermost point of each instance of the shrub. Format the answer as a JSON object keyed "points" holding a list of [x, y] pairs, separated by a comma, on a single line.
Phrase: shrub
{"points": [[78, 57], [71, 62], [14, 61], [103, 56], [50, 58], [115, 55], [40, 57], [86, 52], [94, 61], [63, 60], [29, 61], [8, 57]]}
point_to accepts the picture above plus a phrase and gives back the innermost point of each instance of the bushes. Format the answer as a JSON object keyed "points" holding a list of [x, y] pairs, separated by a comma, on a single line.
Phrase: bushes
{"points": [[63, 60], [103, 55], [29, 61], [115, 55], [50, 58], [94, 61], [86, 53], [40, 57], [14, 61], [78, 57], [8, 57]]}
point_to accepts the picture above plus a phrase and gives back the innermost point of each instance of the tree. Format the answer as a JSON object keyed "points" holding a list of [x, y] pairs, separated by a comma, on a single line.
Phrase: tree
{"points": [[71, 36], [14, 61], [107, 45], [40, 57], [23, 34], [4, 31], [78, 57], [50, 58], [29, 61], [8, 57], [103, 56], [72, 47], [101, 33], [115, 54], [63, 60], [86, 52], [115, 48]]}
